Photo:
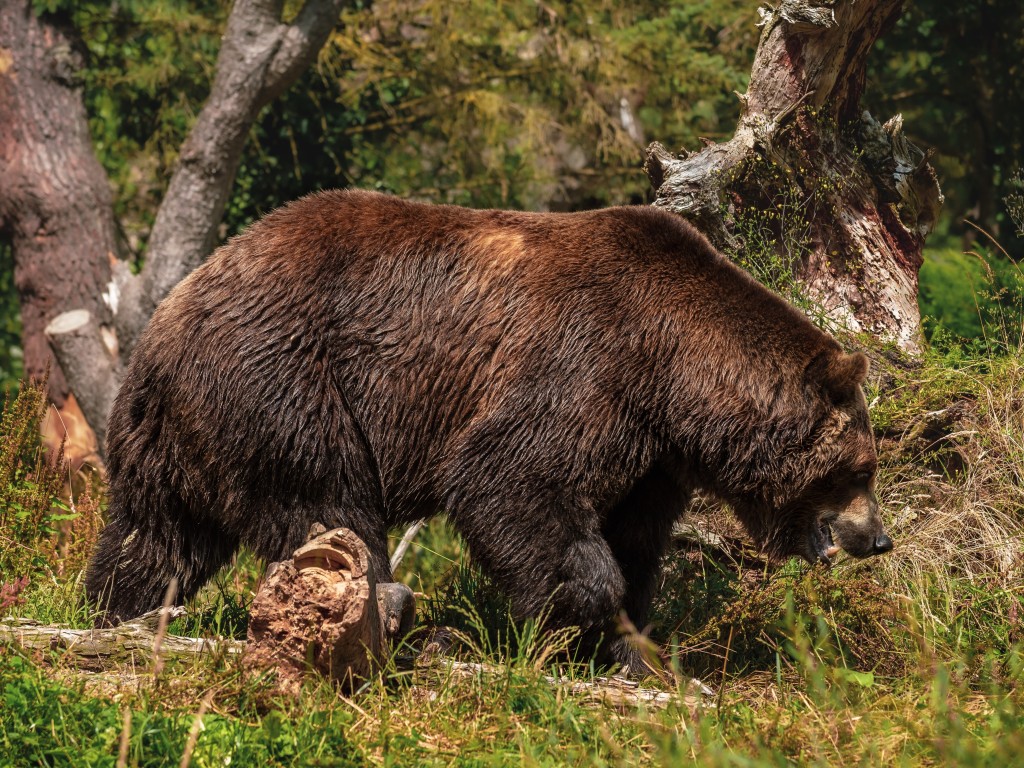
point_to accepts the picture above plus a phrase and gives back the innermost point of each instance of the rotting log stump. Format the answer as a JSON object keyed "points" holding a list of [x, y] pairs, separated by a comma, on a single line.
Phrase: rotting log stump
{"points": [[314, 614], [810, 183]]}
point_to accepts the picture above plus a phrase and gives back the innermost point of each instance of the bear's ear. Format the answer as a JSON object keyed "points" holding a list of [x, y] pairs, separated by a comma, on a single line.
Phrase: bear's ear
{"points": [[837, 372]]}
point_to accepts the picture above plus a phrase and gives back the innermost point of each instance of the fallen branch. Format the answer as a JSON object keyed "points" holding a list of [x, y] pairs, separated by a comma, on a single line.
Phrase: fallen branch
{"points": [[312, 614], [97, 648], [615, 692], [403, 545]]}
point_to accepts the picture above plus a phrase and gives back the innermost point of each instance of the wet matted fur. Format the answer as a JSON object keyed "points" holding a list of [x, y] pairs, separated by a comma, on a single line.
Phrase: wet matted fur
{"points": [[558, 384]]}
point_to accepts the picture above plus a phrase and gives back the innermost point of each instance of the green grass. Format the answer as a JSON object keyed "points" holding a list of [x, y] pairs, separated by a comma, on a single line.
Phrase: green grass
{"points": [[913, 659], [973, 298], [812, 711]]}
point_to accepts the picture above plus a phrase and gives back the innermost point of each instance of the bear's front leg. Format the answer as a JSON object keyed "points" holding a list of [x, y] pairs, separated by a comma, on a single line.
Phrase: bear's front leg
{"points": [[557, 573], [639, 530]]}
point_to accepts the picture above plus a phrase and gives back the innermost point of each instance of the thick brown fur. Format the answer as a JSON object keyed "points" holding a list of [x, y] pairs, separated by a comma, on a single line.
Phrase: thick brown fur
{"points": [[558, 384]]}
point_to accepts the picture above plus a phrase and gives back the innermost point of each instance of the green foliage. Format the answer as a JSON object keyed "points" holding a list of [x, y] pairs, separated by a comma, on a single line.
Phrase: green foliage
{"points": [[972, 298], [512, 105], [11, 368], [912, 660], [772, 230], [148, 71], [1015, 202], [953, 70], [469, 603], [519, 105], [221, 609]]}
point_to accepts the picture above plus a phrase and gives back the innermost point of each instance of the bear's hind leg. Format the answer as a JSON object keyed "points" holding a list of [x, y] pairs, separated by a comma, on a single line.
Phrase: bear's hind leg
{"points": [[134, 563]]}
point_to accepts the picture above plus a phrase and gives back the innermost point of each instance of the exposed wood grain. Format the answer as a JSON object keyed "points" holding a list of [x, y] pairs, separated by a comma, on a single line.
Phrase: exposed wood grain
{"points": [[872, 194]]}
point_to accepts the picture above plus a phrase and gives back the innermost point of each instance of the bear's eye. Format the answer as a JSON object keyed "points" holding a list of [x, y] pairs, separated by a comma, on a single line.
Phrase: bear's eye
{"points": [[862, 477]]}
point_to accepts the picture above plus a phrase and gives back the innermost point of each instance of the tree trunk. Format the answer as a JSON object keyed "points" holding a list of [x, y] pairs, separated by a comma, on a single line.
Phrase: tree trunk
{"points": [[55, 204], [260, 56], [810, 187]]}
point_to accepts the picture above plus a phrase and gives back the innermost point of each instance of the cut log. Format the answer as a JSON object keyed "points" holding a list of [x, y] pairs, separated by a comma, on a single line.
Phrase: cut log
{"points": [[79, 343], [319, 613]]}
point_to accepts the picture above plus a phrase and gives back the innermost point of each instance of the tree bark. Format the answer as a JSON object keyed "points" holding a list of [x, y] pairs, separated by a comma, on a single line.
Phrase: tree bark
{"points": [[260, 57], [845, 203], [55, 204]]}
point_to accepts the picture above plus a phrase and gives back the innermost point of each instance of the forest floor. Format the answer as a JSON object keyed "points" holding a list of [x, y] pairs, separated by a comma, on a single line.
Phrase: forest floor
{"points": [[912, 659]]}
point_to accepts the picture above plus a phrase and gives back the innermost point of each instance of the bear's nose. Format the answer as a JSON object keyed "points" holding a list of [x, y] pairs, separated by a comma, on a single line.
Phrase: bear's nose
{"points": [[882, 544]]}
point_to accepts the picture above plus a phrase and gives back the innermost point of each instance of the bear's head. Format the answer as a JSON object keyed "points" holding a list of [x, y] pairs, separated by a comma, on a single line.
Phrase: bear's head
{"points": [[820, 497]]}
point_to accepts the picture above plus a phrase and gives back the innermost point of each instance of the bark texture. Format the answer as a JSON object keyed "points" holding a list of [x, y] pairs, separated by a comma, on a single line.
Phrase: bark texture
{"points": [[322, 612], [55, 204], [260, 57], [129, 644], [846, 201]]}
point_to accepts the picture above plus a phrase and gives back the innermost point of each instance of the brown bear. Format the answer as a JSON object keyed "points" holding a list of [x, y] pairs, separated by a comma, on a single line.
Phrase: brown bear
{"points": [[557, 384]]}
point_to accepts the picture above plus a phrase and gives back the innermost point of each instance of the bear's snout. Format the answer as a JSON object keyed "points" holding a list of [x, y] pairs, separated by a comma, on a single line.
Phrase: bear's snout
{"points": [[883, 543], [858, 529]]}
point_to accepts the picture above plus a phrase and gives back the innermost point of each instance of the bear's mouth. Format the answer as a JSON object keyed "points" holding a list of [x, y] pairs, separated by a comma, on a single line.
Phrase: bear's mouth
{"points": [[823, 547]]}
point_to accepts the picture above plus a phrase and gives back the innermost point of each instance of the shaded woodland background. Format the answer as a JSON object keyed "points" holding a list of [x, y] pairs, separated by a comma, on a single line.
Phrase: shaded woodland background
{"points": [[523, 105]]}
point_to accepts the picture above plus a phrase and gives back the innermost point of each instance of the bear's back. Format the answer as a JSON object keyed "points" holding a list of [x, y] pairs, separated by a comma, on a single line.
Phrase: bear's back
{"points": [[408, 323]]}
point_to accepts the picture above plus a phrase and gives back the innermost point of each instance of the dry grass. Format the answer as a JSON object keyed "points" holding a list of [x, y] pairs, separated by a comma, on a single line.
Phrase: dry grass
{"points": [[953, 487], [913, 659]]}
